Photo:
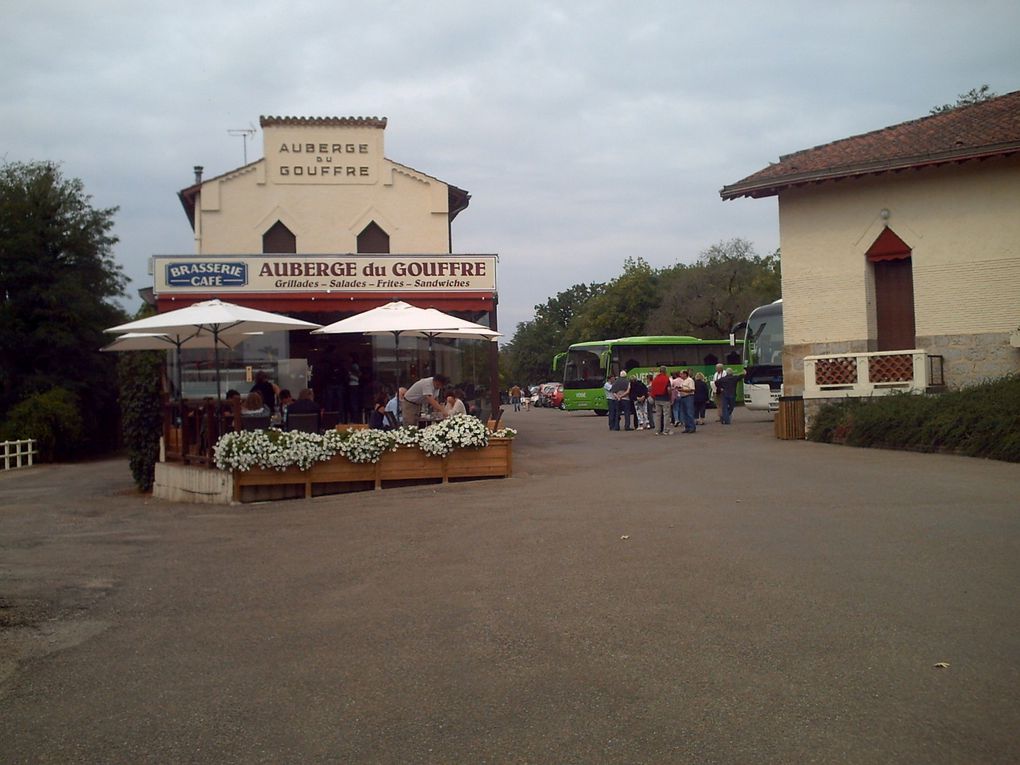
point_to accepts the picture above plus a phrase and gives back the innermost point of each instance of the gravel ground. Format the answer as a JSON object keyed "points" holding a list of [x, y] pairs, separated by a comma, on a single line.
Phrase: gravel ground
{"points": [[721, 597]]}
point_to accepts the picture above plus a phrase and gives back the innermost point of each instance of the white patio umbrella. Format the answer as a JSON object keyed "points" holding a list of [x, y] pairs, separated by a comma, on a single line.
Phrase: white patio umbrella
{"points": [[398, 319], [217, 318], [394, 318], [154, 341]]}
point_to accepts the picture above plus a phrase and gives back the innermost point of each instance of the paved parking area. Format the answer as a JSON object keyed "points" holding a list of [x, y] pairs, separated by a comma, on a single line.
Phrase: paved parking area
{"points": [[722, 597]]}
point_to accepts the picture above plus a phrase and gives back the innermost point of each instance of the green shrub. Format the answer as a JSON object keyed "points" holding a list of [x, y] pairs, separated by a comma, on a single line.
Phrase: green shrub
{"points": [[138, 375], [53, 419], [979, 421]]}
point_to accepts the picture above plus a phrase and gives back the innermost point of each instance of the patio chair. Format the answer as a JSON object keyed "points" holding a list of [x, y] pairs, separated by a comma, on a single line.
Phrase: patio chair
{"points": [[255, 423], [306, 422]]}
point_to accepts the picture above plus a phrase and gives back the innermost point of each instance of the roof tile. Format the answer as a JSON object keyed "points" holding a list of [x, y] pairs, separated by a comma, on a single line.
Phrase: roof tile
{"points": [[967, 132]]}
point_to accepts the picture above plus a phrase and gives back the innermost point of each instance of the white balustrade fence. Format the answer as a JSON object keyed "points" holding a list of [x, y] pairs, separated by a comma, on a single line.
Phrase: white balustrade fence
{"points": [[16, 454]]}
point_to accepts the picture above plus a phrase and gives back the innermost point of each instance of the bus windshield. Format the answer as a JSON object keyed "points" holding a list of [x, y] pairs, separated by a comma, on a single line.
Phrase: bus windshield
{"points": [[764, 343], [583, 368]]}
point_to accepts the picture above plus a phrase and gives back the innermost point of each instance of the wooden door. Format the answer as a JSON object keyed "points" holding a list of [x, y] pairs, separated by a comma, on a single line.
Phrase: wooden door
{"points": [[894, 304]]}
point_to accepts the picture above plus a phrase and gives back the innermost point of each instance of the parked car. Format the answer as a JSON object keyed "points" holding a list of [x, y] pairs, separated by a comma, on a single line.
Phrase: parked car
{"points": [[550, 395]]}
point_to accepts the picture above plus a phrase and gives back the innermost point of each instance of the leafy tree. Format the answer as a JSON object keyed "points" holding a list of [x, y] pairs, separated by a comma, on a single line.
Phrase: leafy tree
{"points": [[972, 96], [57, 274], [706, 299], [529, 354], [622, 308]]}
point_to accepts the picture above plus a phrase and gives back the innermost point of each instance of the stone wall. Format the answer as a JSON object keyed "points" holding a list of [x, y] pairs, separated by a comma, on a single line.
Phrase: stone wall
{"points": [[973, 359]]}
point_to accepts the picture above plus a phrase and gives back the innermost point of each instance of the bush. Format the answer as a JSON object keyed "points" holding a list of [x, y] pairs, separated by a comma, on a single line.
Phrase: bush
{"points": [[979, 421], [53, 419], [138, 375]]}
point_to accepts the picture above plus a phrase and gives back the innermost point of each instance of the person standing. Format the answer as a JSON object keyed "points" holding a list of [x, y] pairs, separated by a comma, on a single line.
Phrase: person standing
{"points": [[620, 390], [354, 403], [515, 397], [425, 391], [266, 390], [612, 405], [720, 371], [686, 394], [638, 395], [727, 387], [701, 396], [659, 391], [674, 399]]}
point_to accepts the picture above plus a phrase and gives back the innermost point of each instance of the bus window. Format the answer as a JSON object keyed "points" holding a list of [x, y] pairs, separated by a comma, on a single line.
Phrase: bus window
{"points": [[732, 357], [711, 360]]}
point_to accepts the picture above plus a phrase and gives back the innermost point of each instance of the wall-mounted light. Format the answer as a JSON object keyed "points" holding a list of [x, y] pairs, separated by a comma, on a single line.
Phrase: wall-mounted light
{"points": [[884, 214]]}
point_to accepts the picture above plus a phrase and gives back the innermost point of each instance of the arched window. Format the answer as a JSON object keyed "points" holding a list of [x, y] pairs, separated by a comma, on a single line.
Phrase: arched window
{"points": [[373, 239], [279, 239]]}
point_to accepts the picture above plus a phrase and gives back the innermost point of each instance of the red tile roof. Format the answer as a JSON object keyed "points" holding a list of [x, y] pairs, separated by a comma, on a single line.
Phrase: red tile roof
{"points": [[987, 129], [379, 122]]}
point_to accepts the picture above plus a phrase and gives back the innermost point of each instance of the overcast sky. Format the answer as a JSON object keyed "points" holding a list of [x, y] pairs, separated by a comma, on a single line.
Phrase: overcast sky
{"points": [[586, 132]]}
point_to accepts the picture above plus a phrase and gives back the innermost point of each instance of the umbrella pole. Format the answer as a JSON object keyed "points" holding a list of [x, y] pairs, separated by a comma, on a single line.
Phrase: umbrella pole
{"points": [[180, 383], [396, 356], [216, 363]]}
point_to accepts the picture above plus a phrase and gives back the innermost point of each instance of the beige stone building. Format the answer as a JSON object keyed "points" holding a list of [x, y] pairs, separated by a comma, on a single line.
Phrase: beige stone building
{"points": [[323, 186], [324, 226], [900, 254]]}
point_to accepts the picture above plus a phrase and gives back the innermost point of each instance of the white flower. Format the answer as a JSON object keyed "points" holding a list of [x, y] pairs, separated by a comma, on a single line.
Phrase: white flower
{"points": [[277, 450]]}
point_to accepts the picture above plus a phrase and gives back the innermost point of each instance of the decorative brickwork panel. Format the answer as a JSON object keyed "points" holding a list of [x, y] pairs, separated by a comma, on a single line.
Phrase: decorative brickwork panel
{"points": [[886, 369], [840, 371]]}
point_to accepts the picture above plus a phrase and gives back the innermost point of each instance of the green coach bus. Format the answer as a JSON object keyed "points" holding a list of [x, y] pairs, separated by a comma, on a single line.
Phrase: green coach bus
{"points": [[585, 365]]}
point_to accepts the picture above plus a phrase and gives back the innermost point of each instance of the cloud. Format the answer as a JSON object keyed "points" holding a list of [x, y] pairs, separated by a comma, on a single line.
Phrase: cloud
{"points": [[586, 133]]}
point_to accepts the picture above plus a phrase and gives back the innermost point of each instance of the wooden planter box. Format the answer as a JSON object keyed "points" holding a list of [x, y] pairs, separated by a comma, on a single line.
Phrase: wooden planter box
{"points": [[402, 466]]}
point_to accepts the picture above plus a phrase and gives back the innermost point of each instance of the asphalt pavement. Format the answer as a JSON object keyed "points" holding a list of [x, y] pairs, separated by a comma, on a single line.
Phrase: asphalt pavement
{"points": [[719, 597]]}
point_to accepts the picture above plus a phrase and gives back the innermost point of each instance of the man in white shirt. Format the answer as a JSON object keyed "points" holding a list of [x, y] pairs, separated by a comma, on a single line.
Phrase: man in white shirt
{"points": [[422, 392], [686, 394]]}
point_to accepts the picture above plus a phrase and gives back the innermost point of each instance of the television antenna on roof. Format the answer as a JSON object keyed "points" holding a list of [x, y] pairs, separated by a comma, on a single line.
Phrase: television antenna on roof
{"points": [[245, 134]]}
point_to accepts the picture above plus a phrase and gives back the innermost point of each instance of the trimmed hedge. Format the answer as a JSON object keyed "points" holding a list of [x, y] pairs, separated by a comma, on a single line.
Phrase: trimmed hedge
{"points": [[979, 421]]}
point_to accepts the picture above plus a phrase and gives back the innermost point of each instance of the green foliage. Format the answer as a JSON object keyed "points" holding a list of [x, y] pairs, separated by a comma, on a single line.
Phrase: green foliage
{"points": [[138, 376], [979, 421], [53, 419], [528, 357], [621, 308], [57, 273], [972, 96], [705, 299]]}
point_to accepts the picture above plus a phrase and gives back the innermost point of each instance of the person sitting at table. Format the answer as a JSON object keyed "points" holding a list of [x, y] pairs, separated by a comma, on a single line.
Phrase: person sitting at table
{"points": [[305, 404], [393, 406], [285, 400], [253, 406], [380, 418], [422, 392], [455, 402]]}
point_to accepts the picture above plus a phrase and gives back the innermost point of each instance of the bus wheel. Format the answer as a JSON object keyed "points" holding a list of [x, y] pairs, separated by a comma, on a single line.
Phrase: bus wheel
{"points": [[601, 412]]}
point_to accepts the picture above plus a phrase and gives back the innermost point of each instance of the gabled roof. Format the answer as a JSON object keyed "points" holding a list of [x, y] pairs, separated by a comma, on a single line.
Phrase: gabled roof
{"points": [[979, 131]]}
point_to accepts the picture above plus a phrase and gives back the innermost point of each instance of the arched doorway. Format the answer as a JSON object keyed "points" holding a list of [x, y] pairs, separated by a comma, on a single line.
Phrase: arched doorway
{"points": [[890, 257]]}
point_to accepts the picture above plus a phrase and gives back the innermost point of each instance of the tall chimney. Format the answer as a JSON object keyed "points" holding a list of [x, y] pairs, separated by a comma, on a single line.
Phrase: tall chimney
{"points": [[198, 173]]}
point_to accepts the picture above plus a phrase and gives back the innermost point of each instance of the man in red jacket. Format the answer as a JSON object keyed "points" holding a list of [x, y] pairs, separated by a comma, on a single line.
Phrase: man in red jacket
{"points": [[659, 391]]}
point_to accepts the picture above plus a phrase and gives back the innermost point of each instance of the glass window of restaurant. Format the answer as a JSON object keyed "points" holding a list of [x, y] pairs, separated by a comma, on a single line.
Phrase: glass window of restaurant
{"points": [[329, 364]]}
